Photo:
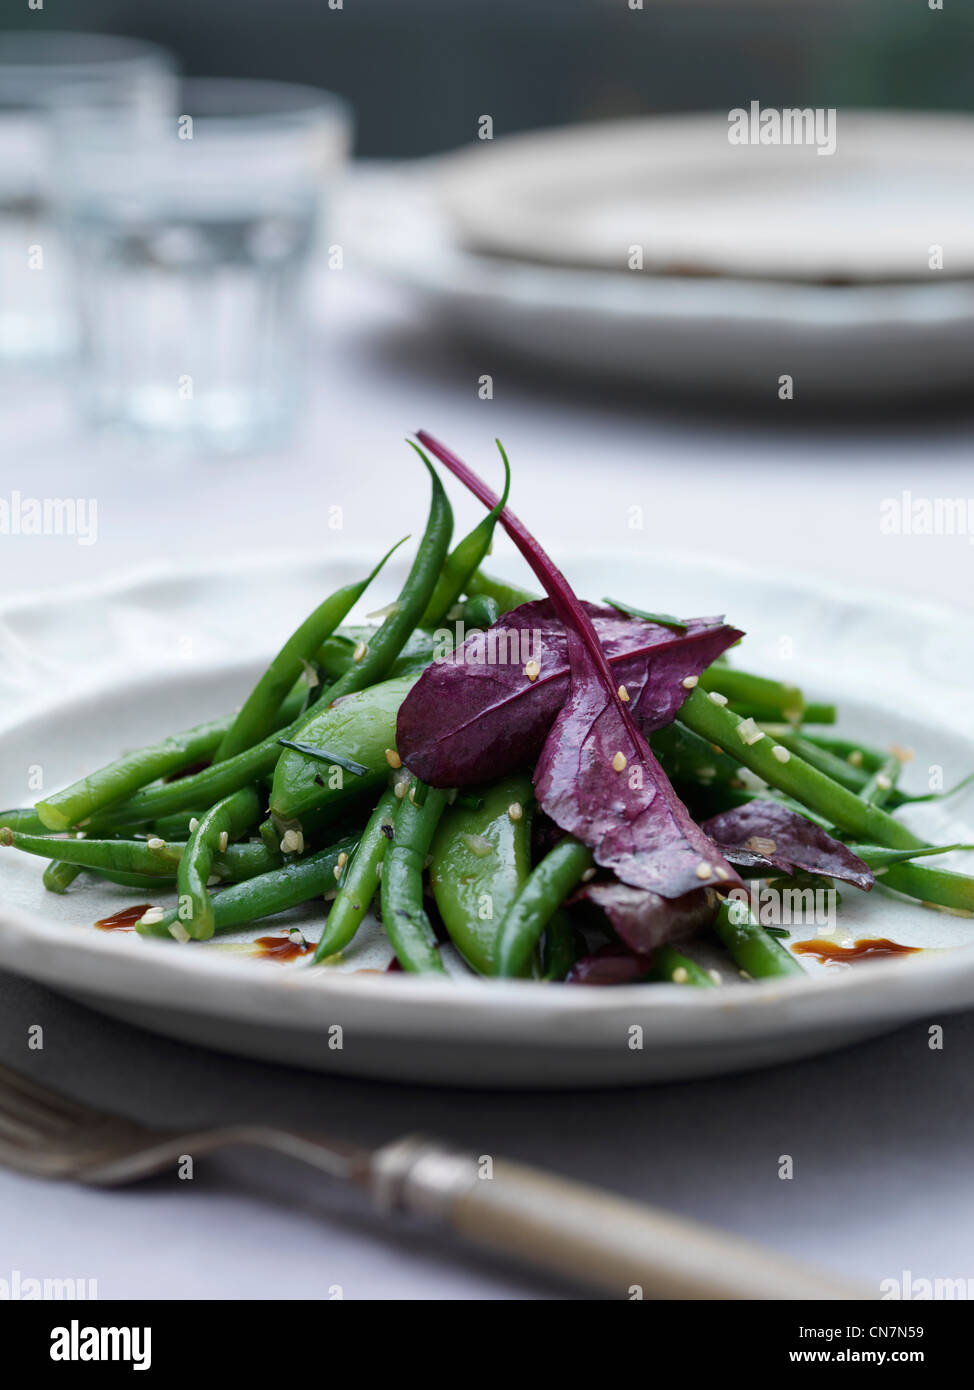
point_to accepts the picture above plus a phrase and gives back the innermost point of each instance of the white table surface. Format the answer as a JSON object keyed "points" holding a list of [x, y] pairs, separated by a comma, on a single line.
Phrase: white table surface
{"points": [[880, 1134]]}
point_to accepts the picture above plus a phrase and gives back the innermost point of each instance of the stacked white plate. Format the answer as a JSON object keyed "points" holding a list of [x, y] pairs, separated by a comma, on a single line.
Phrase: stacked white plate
{"points": [[757, 261]]}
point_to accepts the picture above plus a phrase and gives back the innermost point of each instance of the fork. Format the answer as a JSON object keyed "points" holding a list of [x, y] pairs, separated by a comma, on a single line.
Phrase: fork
{"points": [[619, 1247]]}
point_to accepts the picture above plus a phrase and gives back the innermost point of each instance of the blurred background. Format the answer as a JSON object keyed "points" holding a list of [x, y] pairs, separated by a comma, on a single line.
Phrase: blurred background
{"points": [[415, 72], [331, 260]]}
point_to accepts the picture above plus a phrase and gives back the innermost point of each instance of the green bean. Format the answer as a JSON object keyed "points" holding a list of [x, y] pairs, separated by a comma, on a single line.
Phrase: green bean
{"points": [[225, 821], [881, 783], [685, 757], [817, 713], [559, 946], [481, 611], [140, 857], [464, 559], [547, 887], [382, 649], [506, 596], [259, 897], [58, 876], [23, 818], [403, 915], [257, 716], [114, 789], [794, 776], [859, 754], [839, 769], [751, 948], [740, 687], [940, 888], [671, 967], [201, 789], [77, 802], [359, 881]]}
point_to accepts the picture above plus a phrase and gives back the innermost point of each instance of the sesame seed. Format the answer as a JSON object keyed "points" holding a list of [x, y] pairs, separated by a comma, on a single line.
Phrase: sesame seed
{"points": [[715, 976], [515, 810], [393, 758], [623, 694], [360, 649], [704, 869], [905, 755], [780, 753], [749, 732], [178, 932], [292, 842], [689, 682], [680, 975], [478, 845], [589, 874], [619, 762], [855, 758], [717, 698], [156, 843], [400, 789], [223, 841], [154, 914], [761, 844], [883, 781], [532, 670], [331, 895], [342, 860], [337, 872], [721, 872], [746, 975]]}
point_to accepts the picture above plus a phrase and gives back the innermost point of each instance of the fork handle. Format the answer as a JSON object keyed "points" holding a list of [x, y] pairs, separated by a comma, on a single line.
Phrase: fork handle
{"points": [[623, 1248]]}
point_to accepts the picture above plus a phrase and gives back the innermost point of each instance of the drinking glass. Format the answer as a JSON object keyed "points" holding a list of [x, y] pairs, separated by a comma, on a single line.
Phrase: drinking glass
{"points": [[73, 73], [192, 239]]}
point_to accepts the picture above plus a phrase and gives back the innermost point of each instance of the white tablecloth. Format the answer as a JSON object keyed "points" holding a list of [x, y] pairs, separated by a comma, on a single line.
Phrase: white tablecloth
{"points": [[879, 1134]]}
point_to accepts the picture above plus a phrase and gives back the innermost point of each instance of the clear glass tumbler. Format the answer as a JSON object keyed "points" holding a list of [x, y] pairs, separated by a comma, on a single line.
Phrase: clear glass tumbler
{"points": [[192, 240], [72, 73]]}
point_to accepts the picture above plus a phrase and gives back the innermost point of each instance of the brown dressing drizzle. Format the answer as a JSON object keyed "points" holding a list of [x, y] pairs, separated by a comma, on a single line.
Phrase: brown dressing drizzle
{"points": [[124, 920], [282, 948], [828, 951]]}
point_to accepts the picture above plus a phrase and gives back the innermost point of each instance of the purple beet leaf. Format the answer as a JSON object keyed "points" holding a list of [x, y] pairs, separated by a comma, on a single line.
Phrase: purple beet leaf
{"points": [[643, 920], [609, 965], [596, 776], [766, 835], [472, 717]]}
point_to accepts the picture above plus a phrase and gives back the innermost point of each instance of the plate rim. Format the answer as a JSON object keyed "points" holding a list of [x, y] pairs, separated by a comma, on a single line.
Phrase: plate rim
{"points": [[27, 933]]}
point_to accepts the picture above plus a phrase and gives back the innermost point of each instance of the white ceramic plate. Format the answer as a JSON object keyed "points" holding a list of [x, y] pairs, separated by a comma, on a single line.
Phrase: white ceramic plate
{"points": [[565, 301], [92, 670], [896, 183]]}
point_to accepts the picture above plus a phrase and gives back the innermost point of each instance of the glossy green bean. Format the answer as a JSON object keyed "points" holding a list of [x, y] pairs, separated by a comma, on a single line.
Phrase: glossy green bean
{"points": [[546, 888], [140, 857], [480, 860], [362, 727], [480, 612], [464, 559], [382, 649], [559, 946], [258, 715], [672, 967], [359, 882], [403, 915], [751, 948], [227, 820], [506, 596], [794, 776], [263, 896], [59, 876]]}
